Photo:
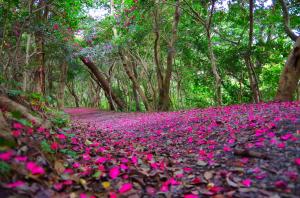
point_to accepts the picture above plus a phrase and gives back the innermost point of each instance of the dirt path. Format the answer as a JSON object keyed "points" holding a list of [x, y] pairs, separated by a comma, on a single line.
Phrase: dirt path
{"points": [[239, 151]]}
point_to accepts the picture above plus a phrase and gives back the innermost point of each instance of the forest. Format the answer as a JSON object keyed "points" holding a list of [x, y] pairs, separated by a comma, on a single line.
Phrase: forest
{"points": [[149, 98]]}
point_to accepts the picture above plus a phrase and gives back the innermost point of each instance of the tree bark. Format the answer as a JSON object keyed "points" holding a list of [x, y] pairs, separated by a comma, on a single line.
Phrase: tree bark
{"points": [[163, 82], [135, 95], [290, 75], [10, 105], [129, 71], [286, 18], [40, 74], [250, 67], [103, 82], [73, 93], [218, 80], [61, 86]]}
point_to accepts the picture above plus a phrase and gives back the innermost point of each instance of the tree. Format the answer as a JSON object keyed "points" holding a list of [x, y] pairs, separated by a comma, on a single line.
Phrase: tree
{"points": [[290, 75]]}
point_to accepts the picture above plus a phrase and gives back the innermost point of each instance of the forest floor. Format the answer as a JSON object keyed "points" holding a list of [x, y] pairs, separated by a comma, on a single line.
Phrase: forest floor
{"points": [[250, 150], [239, 151]]}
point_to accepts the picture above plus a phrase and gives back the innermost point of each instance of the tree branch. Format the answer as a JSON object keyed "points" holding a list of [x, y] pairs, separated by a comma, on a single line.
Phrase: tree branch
{"points": [[286, 18]]}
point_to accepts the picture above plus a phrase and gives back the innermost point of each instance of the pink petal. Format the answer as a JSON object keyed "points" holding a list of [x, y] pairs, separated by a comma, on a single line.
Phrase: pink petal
{"points": [[114, 172], [125, 187], [15, 184], [247, 182], [35, 169], [100, 160], [191, 196], [6, 155], [297, 161]]}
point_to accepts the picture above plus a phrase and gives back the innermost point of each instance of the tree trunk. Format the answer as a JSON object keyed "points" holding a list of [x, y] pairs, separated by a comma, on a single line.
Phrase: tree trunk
{"points": [[103, 82], [27, 58], [218, 88], [73, 93], [61, 86], [250, 67], [136, 97], [218, 81], [290, 75], [164, 100], [129, 71], [39, 75]]}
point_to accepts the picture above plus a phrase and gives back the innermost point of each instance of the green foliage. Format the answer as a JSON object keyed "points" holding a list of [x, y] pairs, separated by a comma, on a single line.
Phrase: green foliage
{"points": [[46, 147], [4, 168], [270, 78], [59, 118], [73, 154]]}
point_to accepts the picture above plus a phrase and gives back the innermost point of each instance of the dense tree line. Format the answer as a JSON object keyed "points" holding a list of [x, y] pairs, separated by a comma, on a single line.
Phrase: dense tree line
{"points": [[151, 54]]}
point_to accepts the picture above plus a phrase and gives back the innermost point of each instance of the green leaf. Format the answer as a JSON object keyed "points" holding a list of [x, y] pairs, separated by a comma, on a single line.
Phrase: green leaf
{"points": [[4, 168]]}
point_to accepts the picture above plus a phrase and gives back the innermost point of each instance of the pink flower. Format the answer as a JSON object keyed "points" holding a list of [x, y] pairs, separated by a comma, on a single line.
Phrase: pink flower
{"points": [[164, 188], [286, 136], [54, 146], [74, 140], [231, 141], [149, 157], [30, 131], [68, 182], [191, 196], [16, 133], [297, 161], [247, 182], [112, 195], [100, 160], [134, 160], [6, 155], [58, 186], [17, 125], [281, 145], [123, 167], [226, 148], [21, 158], [55, 27], [15, 184], [280, 184], [76, 165], [35, 169], [245, 160], [86, 157], [114, 172], [41, 129], [61, 136], [125, 187]]}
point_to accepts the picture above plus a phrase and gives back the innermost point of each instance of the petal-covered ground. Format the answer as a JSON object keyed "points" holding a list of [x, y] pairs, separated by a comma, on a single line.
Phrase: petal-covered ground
{"points": [[240, 150], [234, 151]]}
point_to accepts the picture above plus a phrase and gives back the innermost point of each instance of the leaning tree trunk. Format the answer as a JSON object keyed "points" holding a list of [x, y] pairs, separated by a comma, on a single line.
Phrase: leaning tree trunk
{"points": [[104, 83], [290, 75]]}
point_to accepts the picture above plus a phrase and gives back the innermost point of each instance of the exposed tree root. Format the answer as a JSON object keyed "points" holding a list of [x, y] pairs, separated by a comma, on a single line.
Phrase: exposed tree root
{"points": [[10, 105]]}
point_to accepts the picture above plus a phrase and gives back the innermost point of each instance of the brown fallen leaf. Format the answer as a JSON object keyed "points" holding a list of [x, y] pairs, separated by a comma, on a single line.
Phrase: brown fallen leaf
{"points": [[59, 167], [208, 175]]}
